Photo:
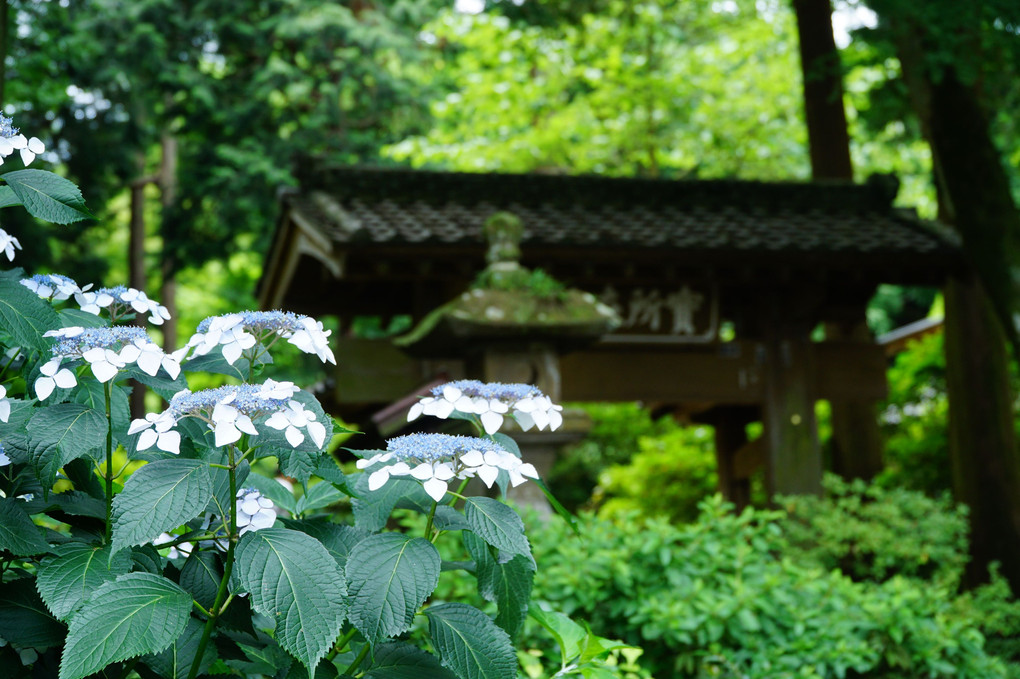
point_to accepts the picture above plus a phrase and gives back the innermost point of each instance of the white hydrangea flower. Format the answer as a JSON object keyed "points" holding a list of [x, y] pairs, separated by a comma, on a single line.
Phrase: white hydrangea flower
{"points": [[8, 244], [4, 460], [53, 286], [254, 511], [107, 351], [121, 300], [491, 402], [292, 419], [182, 550], [229, 412], [11, 140], [435, 459], [5, 404], [237, 333]]}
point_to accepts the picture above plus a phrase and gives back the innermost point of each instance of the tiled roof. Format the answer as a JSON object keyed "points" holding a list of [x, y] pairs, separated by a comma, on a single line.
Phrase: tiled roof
{"points": [[352, 205]]}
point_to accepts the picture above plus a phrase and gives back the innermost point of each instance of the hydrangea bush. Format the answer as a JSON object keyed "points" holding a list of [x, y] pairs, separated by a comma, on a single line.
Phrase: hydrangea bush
{"points": [[196, 565]]}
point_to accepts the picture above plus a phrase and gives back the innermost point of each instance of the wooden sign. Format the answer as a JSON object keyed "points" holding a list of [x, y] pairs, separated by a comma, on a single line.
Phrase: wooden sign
{"points": [[684, 313]]}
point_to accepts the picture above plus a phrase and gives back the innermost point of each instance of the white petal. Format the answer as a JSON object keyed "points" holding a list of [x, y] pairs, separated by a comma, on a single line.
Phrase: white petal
{"points": [[147, 439], [541, 418], [488, 475], [35, 145], [524, 419], [415, 412], [294, 436], [6, 147], [27, 157], [555, 419], [250, 505], [244, 423], [464, 404], [65, 379], [472, 458], [170, 441], [226, 433], [528, 469], [318, 433], [278, 421], [498, 406], [443, 472], [104, 371], [262, 520], [138, 425], [49, 368], [149, 361], [378, 479], [492, 422], [44, 387], [435, 488], [451, 394], [423, 471], [172, 366], [399, 469], [525, 405], [19, 141], [5, 410], [232, 352], [443, 409]]}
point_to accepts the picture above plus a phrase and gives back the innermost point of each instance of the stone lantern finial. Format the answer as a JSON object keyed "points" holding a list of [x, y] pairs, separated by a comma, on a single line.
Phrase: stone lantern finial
{"points": [[503, 231]]}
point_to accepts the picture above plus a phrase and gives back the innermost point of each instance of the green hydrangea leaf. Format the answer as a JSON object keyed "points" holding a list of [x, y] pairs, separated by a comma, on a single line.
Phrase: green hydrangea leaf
{"points": [[390, 576], [294, 581], [175, 661], [24, 315], [470, 643], [48, 196], [399, 660], [338, 539], [372, 508], [136, 614], [61, 433], [18, 535], [201, 575], [159, 497], [498, 525], [69, 578], [508, 585]]}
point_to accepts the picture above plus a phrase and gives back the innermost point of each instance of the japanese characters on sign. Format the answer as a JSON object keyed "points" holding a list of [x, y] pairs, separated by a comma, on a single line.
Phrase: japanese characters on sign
{"points": [[687, 313]]}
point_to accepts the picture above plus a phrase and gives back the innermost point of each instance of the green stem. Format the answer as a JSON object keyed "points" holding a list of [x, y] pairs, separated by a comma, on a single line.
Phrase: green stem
{"points": [[108, 393], [219, 603], [341, 643], [428, 523], [7, 365], [357, 661], [460, 492]]}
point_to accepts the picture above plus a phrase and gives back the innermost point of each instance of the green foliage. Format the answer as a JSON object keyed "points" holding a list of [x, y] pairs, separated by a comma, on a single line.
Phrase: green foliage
{"points": [[136, 613], [75, 572], [715, 597], [870, 533], [680, 464], [533, 281], [47, 196], [470, 643]]}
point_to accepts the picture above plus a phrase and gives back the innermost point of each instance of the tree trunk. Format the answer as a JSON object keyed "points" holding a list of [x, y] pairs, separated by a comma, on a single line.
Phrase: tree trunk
{"points": [[136, 266], [170, 265], [856, 438], [975, 197]]}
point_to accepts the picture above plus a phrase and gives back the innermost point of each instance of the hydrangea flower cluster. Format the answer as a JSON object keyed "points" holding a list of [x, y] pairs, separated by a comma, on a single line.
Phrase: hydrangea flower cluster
{"points": [[491, 401], [236, 333], [8, 243], [121, 300], [435, 459], [230, 412], [12, 140], [106, 350], [254, 511], [5, 406], [53, 286]]}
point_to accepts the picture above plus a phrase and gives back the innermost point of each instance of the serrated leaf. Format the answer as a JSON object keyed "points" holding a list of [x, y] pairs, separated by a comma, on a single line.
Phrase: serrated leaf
{"points": [[13, 432], [372, 508], [389, 576], [448, 518], [399, 660], [91, 393], [18, 535], [497, 524], [338, 539], [470, 643], [201, 575], [294, 580], [175, 662], [24, 315], [568, 634], [508, 585], [48, 196], [147, 559], [77, 570], [76, 503], [81, 319], [61, 433], [136, 614], [326, 468], [159, 497]]}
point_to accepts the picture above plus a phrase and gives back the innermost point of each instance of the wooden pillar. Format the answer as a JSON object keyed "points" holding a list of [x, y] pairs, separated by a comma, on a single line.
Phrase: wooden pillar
{"points": [[856, 437], [982, 445], [792, 455]]}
